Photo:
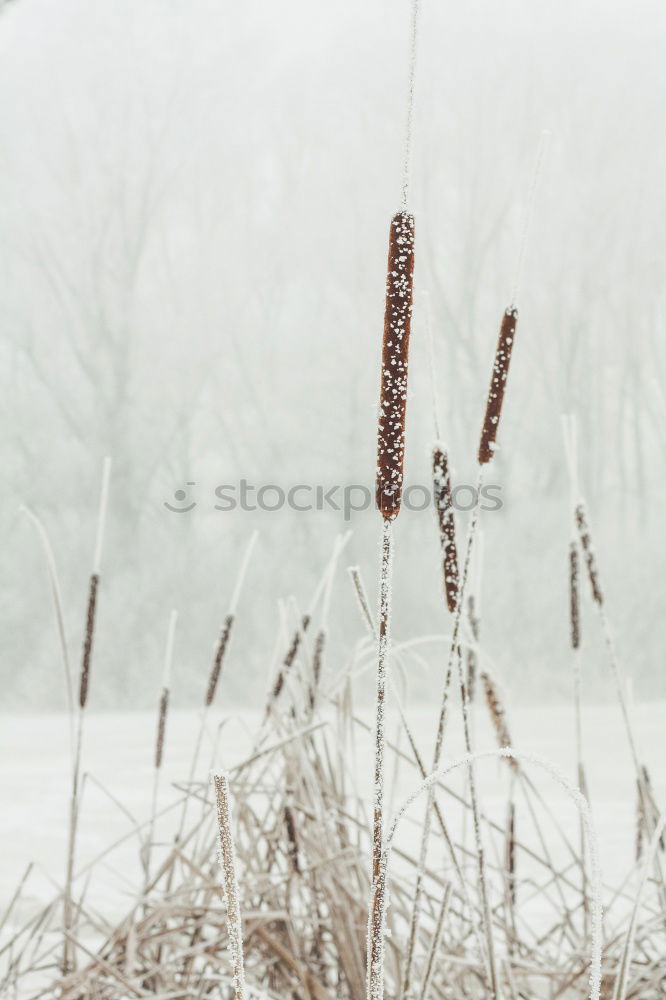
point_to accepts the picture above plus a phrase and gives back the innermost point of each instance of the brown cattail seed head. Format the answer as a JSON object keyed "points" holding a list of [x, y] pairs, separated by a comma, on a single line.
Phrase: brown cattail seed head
{"points": [[218, 662], [317, 662], [292, 840], [472, 659], [161, 727], [444, 505], [498, 385], [588, 551], [574, 603], [290, 656], [497, 715], [88, 640], [395, 362]]}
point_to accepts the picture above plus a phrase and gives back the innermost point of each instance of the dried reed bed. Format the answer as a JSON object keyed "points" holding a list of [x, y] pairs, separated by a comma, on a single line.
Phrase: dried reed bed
{"points": [[297, 833]]}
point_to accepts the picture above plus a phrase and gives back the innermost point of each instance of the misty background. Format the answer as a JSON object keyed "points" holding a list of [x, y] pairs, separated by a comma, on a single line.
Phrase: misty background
{"points": [[194, 208]]}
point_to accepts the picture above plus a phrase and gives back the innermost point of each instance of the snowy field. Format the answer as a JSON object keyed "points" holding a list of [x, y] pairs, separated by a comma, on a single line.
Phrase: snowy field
{"points": [[118, 758]]}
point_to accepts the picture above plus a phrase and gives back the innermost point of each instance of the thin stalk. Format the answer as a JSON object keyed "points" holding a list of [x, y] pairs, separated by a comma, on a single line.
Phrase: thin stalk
{"points": [[69, 952], [162, 713], [376, 916]]}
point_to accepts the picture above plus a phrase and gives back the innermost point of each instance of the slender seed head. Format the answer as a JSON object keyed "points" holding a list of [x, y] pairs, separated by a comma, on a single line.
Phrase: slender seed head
{"points": [[498, 385], [588, 552], [574, 596], [395, 363], [161, 727], [218, 662], [88, 640], [444, 505]]}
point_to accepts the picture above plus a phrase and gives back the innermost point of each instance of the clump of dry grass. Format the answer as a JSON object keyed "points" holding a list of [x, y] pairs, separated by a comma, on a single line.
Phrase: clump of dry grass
{"points": [[300, 845]]}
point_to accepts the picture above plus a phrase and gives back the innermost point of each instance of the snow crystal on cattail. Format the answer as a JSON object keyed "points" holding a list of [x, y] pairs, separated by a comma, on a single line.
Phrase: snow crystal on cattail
{"points": [[498, 385], [395, 361]]}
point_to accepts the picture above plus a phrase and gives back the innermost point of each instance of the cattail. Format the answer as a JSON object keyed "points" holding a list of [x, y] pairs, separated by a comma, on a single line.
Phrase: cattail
{"points": [[510, 852], [218, 661], [395, 362], [574, 602], [290, 656], [497, 385], [317, 664], [472, 659], [497, 714], [652, 805], [227, 862], [292, 840], [444, 505], [161, 727], [88, 640], [640, 823], [586, 544]]}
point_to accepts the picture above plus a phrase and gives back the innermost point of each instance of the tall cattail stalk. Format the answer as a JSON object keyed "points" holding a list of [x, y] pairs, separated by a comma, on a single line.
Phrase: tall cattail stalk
{"points": [[585, 538], [446, 526], [69, 953], [366, 614], [388, 493], [570, 434], [227, 861], [589, 555], [219, 655], [486, 451], [162, 713]]}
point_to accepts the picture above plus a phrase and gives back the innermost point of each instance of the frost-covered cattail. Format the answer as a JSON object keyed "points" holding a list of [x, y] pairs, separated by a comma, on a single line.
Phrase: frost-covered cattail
{"points": [[640, 823], [510, 851], [574, 597], [290, 656], [292, 839], [163, 708], [161, 727], [227, 861], [395, 362], [498, 385], [317, 665], [444, 505], [588, 551], [93, 586], [218, 660], [88, 640], [497, 713], [472, 659]]}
